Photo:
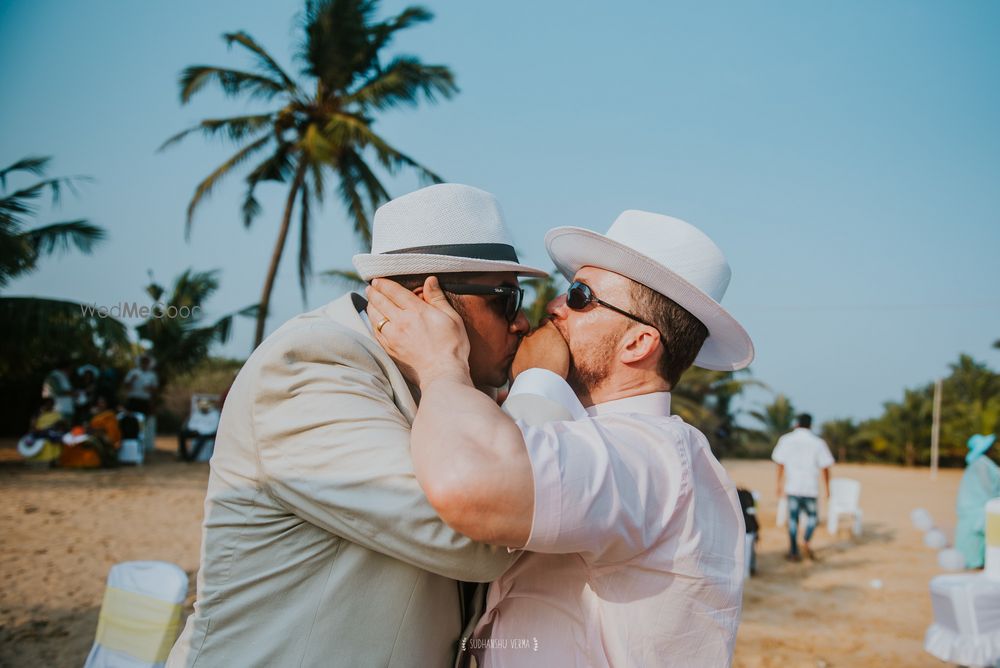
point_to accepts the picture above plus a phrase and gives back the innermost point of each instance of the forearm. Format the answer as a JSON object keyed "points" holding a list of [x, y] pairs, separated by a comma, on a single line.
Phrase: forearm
{"points": [[471, 461]]}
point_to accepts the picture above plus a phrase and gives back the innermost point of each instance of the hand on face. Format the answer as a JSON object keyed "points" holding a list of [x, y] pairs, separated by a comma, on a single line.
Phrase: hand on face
{"points": [[544, 348], [424, 335]]}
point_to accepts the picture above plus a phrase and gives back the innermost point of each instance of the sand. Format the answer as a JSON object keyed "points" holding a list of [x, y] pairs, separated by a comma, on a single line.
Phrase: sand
{"points": [[60, 532]]}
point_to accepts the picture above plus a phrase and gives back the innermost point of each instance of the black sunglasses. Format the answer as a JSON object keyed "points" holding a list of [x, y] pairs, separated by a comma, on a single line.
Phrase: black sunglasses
{"points": [[579, 295], [514, 296]]}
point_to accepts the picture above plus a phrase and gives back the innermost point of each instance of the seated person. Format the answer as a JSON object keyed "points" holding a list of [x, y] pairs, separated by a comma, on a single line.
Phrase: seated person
{"points": [[201, 428], [42, 442], [97, 445]]}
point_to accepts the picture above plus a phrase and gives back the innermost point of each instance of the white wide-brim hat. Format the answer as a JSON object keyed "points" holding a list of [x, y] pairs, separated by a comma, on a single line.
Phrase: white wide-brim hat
{"points": [[445, 228], [677, 260]]}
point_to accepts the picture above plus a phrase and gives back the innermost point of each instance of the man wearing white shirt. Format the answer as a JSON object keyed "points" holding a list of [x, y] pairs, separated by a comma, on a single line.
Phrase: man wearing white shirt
{"points": [[801, 455], [632, 531]]}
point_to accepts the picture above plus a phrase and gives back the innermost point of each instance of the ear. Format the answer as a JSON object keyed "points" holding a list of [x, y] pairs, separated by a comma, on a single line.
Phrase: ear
{"points": [[641, 344]]}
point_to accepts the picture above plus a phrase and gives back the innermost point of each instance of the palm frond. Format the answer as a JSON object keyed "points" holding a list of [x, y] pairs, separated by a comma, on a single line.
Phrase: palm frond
{"points": [[236, 128], [277, 167], [403, 83], [57, 237], [346, 129], [205, 187], [347, 278], [382, 33], [32, 164], [267, 63], [232, 82]]}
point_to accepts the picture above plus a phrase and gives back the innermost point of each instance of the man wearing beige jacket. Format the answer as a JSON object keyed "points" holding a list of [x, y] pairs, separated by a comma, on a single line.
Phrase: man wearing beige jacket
{"points": [[319, 547]]}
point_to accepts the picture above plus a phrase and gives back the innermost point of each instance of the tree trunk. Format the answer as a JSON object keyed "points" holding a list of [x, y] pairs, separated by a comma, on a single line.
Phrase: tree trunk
{"points": [[910, 454], [279, 247], [843, 454]]}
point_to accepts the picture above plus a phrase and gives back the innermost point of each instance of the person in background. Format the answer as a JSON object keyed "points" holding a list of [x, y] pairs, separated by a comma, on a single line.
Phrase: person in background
{"points": [[104, 427], [58, 386], [85, 393], [141, 385], [201, 428], [801, 455], [980, 483], [43, 442]]}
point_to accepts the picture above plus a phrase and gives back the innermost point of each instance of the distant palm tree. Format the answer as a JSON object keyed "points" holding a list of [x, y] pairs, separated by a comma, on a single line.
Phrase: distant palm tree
{"points": [[181, 338], [323, 125], [31, 325], [776, 419]]}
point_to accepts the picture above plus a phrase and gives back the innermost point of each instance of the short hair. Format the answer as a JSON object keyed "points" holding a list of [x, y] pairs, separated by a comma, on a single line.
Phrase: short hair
{"points": [[682, 334], [804, 420]]}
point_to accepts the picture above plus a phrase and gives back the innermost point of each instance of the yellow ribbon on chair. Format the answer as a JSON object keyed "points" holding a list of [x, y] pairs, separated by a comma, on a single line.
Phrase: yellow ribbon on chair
{"points": [[992, 529], [138, 625]]}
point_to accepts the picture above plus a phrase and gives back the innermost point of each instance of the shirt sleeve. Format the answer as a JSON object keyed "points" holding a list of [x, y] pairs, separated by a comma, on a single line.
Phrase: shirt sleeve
{"points": [[778, 455], [538, 396], [824, 459], [596, 495]]}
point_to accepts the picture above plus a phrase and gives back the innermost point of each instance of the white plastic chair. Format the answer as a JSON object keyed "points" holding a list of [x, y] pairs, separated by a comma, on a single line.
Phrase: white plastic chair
{"points": [[132, 450], [966, 628], [140, 616], [845, 495]]}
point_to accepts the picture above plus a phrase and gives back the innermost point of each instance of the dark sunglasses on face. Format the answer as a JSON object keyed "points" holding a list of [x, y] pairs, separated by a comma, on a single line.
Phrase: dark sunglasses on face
{"points": [[513, 296], [579, 295]]}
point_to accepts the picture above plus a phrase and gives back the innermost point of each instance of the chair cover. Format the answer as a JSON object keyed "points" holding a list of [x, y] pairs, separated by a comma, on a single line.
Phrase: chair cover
{"points": [[845, 495], [966, 628], [140, 616]]}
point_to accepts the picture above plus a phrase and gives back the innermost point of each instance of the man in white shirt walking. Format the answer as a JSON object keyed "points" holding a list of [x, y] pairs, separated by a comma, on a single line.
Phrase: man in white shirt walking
{"points": [[801, 455]]}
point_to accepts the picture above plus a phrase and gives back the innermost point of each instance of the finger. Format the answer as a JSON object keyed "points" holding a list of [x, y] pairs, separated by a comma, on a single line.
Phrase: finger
{"points": [[380, 301], [374, 316], [395, 292], [433, 292]]}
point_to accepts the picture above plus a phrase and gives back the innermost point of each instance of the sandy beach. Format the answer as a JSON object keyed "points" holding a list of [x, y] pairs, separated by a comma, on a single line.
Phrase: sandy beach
{"points": [[63, 530]]}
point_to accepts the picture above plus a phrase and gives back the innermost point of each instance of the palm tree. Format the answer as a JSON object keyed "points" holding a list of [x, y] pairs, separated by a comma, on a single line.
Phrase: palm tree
{"points": [[544, 290], [704, 399], [180, 337], [32, 324], [776, 418], [840, 435], [323, 124]]}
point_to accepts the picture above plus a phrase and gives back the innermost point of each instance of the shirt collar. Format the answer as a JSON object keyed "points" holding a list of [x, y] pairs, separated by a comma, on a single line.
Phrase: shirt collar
{"points": [[652, 403]]}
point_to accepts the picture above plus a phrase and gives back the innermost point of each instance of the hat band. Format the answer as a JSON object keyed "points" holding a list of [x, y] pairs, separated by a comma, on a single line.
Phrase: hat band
{"points": [[496, 252]]}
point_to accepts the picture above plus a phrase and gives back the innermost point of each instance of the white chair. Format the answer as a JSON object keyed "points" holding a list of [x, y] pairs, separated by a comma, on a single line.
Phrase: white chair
{"points": [[140, 616], [845, 495], [132, 450], [966, 628]]}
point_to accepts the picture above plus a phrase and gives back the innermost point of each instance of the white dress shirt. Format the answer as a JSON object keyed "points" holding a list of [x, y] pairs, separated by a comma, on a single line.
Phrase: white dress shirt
{"points": [[635, 556], [804, 455]]}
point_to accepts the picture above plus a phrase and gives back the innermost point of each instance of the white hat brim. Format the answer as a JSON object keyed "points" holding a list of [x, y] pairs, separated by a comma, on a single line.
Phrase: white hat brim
{"points": [[28, 448], [378, 265], [728, 346]]}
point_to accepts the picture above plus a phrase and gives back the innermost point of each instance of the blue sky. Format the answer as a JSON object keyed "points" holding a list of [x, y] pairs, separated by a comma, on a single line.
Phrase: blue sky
{"points": [[845, 156]]}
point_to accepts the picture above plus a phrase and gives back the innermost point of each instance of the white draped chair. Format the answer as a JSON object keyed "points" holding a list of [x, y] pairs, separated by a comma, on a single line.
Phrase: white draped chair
{"points": [[140, 616], [845, 497]]}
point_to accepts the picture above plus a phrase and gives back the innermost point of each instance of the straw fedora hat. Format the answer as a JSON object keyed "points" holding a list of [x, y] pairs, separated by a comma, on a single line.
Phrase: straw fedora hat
{"points": [[445, 228], [677, 260]]}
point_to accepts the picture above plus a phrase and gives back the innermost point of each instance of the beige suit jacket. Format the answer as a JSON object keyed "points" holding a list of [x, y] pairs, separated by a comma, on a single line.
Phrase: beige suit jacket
{"points": [[318, 546]]}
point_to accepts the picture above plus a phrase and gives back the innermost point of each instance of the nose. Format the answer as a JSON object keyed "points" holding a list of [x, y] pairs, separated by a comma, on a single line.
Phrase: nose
{"points": [[520, 326], [557, 307]]}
